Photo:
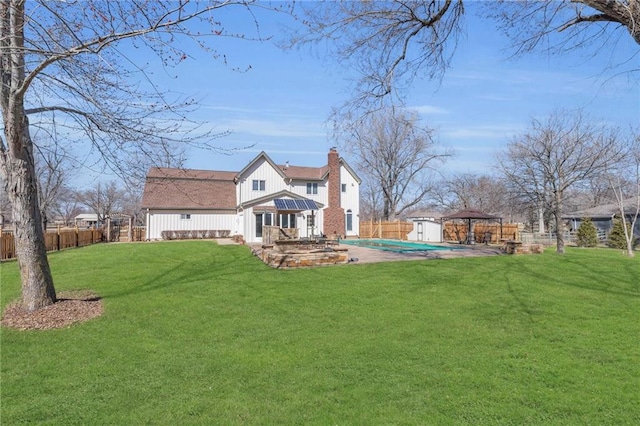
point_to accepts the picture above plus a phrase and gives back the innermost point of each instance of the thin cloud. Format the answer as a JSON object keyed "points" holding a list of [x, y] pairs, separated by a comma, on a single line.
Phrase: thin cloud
{"points": [[280, 128], [482, 131], [429, 109], [498, 98]]}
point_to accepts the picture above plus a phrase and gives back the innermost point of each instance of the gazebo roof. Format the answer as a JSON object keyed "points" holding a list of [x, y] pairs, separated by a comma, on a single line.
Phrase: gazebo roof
{"points": [[471, 214]]}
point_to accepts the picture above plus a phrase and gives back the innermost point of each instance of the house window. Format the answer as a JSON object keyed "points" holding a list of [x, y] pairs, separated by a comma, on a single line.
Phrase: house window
{"points": [[312, 187], [185, 216], [258, 185], [349, 220], [288, 220], [344, 187], [262, 219]]}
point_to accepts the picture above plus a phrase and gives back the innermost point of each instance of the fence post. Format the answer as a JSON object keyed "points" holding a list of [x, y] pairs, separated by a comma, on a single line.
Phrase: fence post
{"points": [[77, 235], [58, 239]]}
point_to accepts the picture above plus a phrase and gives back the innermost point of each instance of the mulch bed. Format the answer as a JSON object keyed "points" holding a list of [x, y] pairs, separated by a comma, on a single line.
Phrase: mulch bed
{"points": [[70, 308]]}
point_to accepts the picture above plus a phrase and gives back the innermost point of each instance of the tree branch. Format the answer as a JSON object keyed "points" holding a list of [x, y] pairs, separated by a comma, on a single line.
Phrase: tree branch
{"points": [[592, 18]]}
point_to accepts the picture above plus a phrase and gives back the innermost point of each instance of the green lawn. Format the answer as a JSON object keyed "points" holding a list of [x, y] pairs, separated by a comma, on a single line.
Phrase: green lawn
{"points": [[196, 333]]}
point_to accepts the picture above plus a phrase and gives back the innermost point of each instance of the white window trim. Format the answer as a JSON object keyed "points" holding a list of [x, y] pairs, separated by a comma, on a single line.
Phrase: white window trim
{"points": [[312, 188]]}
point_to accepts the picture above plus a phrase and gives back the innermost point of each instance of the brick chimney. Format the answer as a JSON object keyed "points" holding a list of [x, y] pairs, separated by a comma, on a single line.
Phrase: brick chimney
{"points": [[333, 213]]}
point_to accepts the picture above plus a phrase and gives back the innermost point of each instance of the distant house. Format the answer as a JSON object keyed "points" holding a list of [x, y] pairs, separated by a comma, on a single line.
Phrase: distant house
{"points": [[602, 217], [313, 200], [86, 220]]}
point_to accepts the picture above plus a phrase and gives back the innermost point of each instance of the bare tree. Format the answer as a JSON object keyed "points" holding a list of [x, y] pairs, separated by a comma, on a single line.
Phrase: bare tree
{"points": [[390, 43], [370, 201], [104, 199], [52, 168], [473, 191], [387, 43], [556, 154], [131, 205], [558, 26], [67, 206], [594, 192], [624, 178], [74, 59], [395, 156]]}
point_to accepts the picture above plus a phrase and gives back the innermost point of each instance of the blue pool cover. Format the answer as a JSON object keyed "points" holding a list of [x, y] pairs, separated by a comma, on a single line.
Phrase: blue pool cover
{"points": [[397, 245]]}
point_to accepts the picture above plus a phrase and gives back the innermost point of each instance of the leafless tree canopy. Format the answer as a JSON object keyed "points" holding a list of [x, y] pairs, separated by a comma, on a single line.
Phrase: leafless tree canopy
{"points": [[104, 199], [395, 156], [83, 75], [624, 180], [387, 43], [73, 65], [554, 155], [472, 191], [390, 43], [53, 169], [560, 26]]}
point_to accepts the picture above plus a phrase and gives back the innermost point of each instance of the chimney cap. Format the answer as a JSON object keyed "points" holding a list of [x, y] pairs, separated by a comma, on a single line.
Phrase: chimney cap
{"points": [[333, 148]]}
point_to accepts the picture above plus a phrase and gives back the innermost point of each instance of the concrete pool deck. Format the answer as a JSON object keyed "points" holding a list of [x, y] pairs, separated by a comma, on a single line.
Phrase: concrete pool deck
{"points": [[369, 255]]}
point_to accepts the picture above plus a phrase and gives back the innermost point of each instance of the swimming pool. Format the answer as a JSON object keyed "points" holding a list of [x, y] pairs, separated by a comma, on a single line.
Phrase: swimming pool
{"points": [[396, 245]]}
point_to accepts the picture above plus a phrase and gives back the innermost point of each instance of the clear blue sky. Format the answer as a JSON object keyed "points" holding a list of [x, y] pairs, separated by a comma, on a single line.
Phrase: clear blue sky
{"points": [[282, 103]]}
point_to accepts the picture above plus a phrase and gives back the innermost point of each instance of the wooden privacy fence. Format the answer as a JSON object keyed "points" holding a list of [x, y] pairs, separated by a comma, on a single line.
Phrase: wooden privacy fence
{"points": [[138, 233], [123, 234], [489, 232], [54, 241], [391, 230], [482, 232]]}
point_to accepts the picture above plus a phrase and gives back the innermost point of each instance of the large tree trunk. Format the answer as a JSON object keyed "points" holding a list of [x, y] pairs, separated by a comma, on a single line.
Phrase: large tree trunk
{"points": [[541, 219], [17, 165], [37, 283]]}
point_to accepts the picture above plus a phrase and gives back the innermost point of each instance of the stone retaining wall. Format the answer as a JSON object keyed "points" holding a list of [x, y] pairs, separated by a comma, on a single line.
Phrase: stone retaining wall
{"points": [[302, 258], [516, 247]]}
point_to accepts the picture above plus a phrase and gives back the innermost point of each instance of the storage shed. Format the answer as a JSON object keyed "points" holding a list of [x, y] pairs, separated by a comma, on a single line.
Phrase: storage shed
{"points": [[426, 227]]}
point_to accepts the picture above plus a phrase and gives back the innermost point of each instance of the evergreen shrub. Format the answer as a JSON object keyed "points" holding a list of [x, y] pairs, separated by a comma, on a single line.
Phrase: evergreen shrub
{"points": [[616, 236], [587, 234]]}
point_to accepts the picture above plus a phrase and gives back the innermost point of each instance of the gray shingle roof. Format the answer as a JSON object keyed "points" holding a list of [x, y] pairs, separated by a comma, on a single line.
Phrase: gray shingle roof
{"points": [[604, 210]]}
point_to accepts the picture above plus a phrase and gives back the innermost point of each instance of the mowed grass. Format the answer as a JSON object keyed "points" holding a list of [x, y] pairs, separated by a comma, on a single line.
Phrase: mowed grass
{"points": [[196, 333]]}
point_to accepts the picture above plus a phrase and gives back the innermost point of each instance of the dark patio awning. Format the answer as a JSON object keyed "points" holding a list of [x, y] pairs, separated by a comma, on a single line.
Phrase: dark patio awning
{"points": [[295, 204], [471, 214]]}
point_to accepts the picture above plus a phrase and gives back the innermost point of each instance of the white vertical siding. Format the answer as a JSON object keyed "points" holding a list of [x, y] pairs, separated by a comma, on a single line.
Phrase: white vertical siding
{"points": [[350, 199], [244, 222], [249, 226], [426, 230], [158, 221], [261, 170], [300, 187]]}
